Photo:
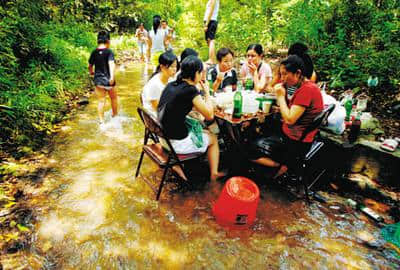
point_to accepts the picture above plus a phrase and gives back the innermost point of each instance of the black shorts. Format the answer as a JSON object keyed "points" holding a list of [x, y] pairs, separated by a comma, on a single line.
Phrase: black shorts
{"points": [[211, 30], [279, 148]]}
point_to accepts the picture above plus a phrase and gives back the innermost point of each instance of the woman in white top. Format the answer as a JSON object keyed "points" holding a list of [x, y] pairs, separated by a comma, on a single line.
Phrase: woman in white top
{"points": [[156, 40], [166, 70], [255, 68]]}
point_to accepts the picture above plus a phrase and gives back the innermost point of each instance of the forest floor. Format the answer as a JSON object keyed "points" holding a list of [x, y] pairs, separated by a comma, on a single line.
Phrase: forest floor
{"points": [[381, 107]]}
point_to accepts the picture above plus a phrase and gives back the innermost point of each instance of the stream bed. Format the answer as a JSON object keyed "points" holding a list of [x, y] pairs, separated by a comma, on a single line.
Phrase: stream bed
{"points": [[98, 216]]}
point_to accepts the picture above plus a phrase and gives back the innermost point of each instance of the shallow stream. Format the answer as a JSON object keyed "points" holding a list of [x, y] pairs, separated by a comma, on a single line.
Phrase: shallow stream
{"points": [[100, 217]]}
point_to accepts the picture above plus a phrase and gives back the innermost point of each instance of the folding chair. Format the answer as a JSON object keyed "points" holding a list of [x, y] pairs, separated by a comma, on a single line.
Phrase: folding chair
{"points": [[317, 144], [165, 159]]}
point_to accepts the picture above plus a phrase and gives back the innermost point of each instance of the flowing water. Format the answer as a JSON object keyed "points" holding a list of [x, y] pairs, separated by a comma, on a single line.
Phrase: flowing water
{"points": [[98, 216]]}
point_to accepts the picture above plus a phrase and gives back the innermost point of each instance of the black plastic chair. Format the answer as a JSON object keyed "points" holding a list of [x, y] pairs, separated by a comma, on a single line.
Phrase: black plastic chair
{"points": [[317, 144], [165, 159]]}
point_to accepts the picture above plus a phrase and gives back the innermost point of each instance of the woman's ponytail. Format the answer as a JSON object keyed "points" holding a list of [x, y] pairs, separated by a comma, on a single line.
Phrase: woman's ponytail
{"points": [[301, 50], [158, 70], [179, 78]]}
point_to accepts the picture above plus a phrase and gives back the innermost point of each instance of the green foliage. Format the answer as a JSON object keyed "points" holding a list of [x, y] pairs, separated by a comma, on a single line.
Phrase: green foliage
{"points": [[42, 64], [45, 45]]}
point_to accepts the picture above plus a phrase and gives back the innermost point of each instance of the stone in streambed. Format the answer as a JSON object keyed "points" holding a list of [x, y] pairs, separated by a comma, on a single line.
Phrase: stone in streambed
{"points": [[83, 101]]}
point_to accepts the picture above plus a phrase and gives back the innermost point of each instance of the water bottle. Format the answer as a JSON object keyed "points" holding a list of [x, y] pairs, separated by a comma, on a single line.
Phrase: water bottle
{"points": [[348, 105], [249, 83], [237, 105], [239, 86], [355, 129]]}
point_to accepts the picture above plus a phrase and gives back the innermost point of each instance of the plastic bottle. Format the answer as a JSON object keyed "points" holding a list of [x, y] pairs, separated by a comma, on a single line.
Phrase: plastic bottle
{"points": [[239, 87], [237, 105], [348, 105], [249, 84], [367, 211], [370, 213], [355, 129]]}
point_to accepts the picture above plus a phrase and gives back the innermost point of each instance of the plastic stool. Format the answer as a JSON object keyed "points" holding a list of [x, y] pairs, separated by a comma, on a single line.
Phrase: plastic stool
{"points": [[237, 204]]}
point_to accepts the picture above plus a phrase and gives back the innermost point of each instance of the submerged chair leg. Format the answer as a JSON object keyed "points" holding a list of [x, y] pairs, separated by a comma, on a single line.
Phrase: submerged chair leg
{"points": [[303, 180], [162, 183], [139, 164]]}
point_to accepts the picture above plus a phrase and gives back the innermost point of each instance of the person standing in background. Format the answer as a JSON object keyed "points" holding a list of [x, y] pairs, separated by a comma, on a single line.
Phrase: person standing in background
{"points": [[210, 28], [169, 35], [156, 41], [141, 35]]}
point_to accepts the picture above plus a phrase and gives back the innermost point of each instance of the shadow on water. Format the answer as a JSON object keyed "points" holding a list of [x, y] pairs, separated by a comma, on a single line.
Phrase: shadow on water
{"points": [[100, 217]]}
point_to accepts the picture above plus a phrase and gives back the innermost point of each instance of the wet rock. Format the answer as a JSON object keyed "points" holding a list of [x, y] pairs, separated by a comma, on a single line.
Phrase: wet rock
{"points": [[47, 246], [14, 247], [5, 212], [170, 217], [370, 240], [83, 101]]}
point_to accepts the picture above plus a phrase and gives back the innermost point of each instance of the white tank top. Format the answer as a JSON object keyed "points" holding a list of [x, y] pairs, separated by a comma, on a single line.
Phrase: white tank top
{"points": [[157, 40], [215, 13]]}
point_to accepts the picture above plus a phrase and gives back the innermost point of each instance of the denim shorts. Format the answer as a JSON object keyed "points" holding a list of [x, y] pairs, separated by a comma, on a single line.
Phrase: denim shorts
{"points": [[103, 82]]}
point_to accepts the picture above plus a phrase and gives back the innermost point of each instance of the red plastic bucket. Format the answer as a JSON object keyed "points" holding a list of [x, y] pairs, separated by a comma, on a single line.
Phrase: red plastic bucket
{"points": [[237, 204]]}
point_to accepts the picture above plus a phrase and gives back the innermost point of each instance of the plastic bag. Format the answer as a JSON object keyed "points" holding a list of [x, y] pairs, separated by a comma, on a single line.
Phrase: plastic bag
{"points": [[195, 131], [336, 118], [391, 233]]}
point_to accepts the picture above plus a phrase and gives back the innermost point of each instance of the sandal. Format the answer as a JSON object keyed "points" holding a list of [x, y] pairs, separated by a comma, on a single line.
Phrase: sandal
{"points": [[389, 145]]}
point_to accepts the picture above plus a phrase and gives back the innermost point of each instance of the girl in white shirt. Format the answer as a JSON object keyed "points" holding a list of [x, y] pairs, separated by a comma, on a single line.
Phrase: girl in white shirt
{"points": [[156, 40], [166, 69]]}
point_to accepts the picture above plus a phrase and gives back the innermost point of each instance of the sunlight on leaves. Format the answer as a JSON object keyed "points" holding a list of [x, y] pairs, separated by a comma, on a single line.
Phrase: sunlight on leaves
{"points": [[22, 228]]}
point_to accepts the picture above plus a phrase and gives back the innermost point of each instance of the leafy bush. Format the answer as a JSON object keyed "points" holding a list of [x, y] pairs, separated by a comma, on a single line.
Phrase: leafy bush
{"points": [[42, 64]]}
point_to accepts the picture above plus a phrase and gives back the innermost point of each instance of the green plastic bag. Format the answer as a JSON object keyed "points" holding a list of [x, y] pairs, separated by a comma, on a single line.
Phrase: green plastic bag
{"points": [[195, 131], [391, 233]]}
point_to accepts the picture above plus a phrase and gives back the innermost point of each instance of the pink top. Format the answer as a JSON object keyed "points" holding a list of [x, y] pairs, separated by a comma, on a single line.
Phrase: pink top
{"points": [[263, 71]]}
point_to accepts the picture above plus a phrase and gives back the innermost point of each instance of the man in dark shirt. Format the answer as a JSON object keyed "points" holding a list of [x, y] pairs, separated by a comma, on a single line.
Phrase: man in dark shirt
{"points": [[102, 58]]}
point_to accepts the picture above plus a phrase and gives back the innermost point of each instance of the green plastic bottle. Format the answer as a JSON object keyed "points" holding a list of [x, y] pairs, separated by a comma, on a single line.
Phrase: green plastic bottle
{"points": [[249, 83], [348, 105], [237, 105]]}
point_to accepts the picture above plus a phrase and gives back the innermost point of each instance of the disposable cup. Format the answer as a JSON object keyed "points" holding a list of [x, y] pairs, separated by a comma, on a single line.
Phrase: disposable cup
{"points": [[267, 106]]}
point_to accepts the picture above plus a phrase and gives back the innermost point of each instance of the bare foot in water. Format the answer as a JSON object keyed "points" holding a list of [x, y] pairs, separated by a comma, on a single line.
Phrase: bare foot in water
{"points": [[282, 170], [214, 177]]}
